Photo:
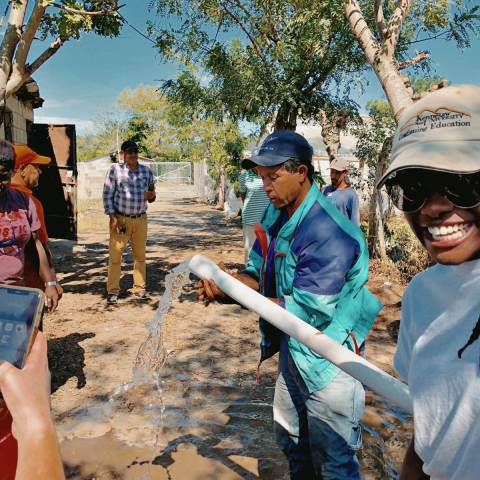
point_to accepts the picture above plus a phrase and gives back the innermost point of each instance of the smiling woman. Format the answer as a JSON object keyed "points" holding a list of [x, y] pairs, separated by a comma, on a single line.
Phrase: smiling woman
{"points": [[442, 209], [435, 179]]}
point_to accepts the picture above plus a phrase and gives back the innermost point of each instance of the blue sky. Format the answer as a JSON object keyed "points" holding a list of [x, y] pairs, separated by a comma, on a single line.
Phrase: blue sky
{"points": [[85, 76]]}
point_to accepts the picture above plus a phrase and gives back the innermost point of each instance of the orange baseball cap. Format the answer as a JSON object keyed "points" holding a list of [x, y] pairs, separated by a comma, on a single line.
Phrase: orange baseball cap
{"points": [[26, 156]]}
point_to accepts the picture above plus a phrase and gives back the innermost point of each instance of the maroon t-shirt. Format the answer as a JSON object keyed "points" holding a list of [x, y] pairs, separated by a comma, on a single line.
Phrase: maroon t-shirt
{"points": [[18, 219]]}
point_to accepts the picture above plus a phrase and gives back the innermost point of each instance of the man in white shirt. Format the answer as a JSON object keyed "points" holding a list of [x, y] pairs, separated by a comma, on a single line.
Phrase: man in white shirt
{"points": [[340, 191], [435, 179]]}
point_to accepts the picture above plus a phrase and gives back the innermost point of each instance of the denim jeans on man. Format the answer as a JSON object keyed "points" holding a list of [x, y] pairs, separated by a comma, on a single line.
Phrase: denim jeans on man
{"points": [[319, 432]]}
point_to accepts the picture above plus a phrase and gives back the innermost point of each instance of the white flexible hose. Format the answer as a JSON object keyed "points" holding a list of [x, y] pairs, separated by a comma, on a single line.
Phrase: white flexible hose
{"points": [[356, 366]]}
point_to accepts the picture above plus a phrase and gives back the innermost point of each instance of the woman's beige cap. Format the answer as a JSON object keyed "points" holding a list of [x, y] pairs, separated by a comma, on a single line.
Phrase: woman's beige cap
{"points": [[439, 132]]}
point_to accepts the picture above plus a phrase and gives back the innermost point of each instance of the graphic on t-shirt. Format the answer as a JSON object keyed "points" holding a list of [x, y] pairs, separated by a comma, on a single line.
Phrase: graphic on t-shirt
{"points": [[8, 238]]}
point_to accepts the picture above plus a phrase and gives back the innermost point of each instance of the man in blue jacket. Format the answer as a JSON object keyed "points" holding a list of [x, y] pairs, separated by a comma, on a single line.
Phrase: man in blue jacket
{"points": [[310, 259]]}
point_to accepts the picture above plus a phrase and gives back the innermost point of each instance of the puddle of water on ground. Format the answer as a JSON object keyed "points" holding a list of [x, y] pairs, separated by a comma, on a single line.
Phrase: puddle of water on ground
{"points": [[165, 424]]}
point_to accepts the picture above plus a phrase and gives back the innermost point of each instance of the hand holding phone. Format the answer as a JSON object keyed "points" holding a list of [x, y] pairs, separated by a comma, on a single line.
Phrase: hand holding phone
{"points": [[21, 312], [149, 195], [27, 395], [26, 391]]}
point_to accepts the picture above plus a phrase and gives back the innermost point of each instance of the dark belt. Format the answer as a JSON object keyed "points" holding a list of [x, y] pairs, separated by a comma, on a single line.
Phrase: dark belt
{"points": [[138, 215]]}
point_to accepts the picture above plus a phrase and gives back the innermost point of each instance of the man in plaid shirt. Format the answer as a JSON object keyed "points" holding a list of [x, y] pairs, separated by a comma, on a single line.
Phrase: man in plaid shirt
{"points": [[127, 189]]}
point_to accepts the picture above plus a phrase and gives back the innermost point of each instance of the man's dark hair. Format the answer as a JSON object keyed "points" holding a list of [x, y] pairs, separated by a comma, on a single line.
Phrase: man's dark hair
{"points": [[129, 146], [292, 164], [7, 155]]}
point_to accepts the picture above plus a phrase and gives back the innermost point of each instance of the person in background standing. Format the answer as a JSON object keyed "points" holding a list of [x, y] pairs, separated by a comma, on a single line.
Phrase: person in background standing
{"points": [[25, 179], [127, 189], [255, 202], [340, 193]]}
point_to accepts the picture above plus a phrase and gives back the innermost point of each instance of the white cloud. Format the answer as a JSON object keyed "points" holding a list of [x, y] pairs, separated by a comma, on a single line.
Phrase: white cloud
{"points": [[82, 126]]}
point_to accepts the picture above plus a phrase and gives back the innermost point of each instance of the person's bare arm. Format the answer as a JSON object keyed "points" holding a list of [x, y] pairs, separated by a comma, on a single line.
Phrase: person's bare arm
{"points": [[412, 465], [51, 293], [52, 270], [27, 395]]}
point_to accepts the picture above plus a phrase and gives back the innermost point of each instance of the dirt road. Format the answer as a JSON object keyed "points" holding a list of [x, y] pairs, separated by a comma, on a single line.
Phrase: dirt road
{"points": [[206, 418]]}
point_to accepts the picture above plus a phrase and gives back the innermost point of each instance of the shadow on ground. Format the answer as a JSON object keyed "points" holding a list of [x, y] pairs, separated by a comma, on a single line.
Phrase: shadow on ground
{"points": [[66, 359]]}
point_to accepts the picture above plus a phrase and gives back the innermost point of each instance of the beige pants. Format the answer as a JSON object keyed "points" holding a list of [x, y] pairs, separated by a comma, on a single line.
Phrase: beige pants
{"points": [[248, 239], [136, 234]]}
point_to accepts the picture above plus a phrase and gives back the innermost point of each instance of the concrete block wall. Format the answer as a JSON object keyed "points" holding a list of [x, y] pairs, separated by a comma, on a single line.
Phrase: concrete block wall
{"points": [[21, 112]]}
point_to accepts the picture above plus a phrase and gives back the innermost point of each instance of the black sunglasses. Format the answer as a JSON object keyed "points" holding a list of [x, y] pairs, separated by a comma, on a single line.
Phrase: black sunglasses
{"points": [[410, 189]]}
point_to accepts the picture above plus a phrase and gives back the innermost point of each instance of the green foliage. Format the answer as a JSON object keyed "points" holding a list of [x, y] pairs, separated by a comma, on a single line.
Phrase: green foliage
{"points": [[286, 59], [147, 116], [371, 133], [260, 57], [92, 146], [166, 131], [424, 84], [65, 25], [451, 20]]}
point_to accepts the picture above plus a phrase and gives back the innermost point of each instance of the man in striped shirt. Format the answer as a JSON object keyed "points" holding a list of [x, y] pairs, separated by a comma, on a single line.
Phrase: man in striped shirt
{"points": [[127, 189], [255, 202]]}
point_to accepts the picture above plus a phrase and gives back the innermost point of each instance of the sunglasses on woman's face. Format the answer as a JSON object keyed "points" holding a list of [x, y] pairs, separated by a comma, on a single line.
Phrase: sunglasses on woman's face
{"points": [[409, 190]]}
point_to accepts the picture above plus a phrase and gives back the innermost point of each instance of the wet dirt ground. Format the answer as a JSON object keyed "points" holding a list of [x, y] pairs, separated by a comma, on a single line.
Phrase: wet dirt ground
{"points": [[206, 418]]}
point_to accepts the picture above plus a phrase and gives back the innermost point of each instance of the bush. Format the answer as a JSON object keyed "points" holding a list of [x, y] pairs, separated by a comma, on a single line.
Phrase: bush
{"points": [[404, 249]]}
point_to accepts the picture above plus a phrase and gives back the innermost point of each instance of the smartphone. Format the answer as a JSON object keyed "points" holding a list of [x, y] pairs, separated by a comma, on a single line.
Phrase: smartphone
{"points": [[21, 311]]}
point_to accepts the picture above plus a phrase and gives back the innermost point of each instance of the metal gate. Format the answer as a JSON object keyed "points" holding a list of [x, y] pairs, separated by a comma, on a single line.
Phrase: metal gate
{"points": [[58, 183], [172, 172]]}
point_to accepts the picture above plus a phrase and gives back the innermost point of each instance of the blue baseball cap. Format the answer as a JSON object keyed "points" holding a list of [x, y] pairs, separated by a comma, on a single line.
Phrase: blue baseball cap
{"points": [[279, 147]]}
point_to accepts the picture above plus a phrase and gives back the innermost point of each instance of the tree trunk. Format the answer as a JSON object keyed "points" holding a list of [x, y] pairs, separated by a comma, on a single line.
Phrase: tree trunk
{"points": [[221, 186], [376, 234], [381, 56], [332, 124], [8, 46], [286, 118], [399, 95]]}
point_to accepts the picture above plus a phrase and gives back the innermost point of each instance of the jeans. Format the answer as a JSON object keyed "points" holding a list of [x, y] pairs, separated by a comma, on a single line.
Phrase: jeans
{"points": [[319, 432]]}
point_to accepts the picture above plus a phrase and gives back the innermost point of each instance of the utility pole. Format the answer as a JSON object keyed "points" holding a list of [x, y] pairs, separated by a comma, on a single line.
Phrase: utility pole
{"points": [[118, 146]]}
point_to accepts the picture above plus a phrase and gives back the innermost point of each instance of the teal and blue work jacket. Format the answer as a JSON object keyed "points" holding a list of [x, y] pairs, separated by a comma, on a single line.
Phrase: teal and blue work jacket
{"points": [[316, 264]]}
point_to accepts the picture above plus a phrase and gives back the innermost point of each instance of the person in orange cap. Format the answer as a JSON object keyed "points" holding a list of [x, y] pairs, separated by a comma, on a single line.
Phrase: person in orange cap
{"points": [[28, 165]]}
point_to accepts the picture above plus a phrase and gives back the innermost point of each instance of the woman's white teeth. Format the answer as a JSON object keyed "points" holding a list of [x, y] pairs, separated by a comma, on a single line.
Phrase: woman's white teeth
{"points": [[450, 232]]}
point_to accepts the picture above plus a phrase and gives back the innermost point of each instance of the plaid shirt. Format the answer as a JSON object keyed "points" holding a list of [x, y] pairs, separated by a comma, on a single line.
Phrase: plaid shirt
{"points": [[123, 191]]}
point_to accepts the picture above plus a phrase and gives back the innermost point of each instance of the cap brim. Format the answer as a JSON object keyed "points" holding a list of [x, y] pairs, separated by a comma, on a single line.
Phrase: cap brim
{"points": [[41, 160], [264, 160], [453, 157]]}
